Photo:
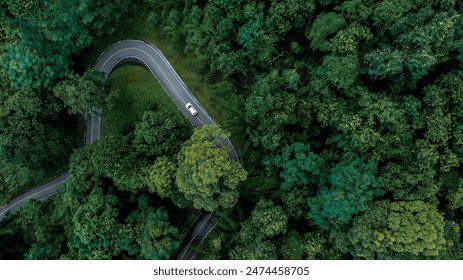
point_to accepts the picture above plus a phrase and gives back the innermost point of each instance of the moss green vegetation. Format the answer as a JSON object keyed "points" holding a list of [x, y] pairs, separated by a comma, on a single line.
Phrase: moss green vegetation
{"points": [[216, 95], [138, 91], [339, 96], [347, 116]]}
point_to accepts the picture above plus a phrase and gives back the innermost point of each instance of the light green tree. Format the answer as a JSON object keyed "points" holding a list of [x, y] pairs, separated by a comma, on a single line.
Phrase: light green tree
{"points": [[161, 177], [268, 219], [206, 175], [403, 229]]}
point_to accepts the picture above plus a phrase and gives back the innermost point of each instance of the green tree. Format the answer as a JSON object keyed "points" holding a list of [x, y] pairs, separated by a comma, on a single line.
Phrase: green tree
{"points": [[269, 110], [206, 175], [353, 186], [340, 71], [260, 250], [257, 41], [27, 67], [347, 41], [417, 39], [385, 63], [160, 133], [300, 166], [325, 25], [453, 186], [453, 247], [89, 201], [95, 227], [408, 182], [42, 236], [28, 135], [252, 242], [292, 247], [115, 158], [82, 94], [49, 33], [268, 219], [13, 179], [390, 11], [153, 232], [161, 177], [289, 14], [295, 201], [404, 229], [355, 10], [314, 245]]}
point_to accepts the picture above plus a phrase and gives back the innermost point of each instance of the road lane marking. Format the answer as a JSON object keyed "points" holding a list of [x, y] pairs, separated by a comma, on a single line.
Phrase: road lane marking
{"points": [[157, 65], [193, 238], [207, 233], [178, 94], [180, 81], [11, 206], [188, 93], [205, 222], [91, 129], [162, 72]]}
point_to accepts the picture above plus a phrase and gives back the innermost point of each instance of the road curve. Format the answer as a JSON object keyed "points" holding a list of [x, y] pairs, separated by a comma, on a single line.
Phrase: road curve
{"points": [[40, 192], [144, 54]]}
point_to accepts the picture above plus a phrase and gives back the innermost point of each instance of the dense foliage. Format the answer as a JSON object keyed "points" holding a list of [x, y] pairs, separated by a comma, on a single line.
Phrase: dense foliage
{"points": [[38, 40], [206, 175], [354, 146], [41, 36], [356, 106]]}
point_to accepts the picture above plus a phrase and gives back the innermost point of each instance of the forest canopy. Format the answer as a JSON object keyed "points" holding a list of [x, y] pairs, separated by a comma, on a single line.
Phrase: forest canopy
{"points": [[353, 112], [354, 105]]}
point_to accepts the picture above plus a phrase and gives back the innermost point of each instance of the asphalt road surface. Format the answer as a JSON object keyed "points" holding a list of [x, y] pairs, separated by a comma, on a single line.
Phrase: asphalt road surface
{"points": [[144, 54], [38, 193], [198, 231]]}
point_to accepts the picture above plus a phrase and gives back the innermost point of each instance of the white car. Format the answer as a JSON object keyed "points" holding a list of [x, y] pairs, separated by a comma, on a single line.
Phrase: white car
{"points": [[191, 109]]}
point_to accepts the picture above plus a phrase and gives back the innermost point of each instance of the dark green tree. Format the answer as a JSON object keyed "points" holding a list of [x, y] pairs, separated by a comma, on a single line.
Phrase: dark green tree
{"points": [[352, 188], [28, 135], [325, 25], [49, 33], [82, 94], [160, 133], [115, 158], [153, 233], [300, 166], [42, 236], [269, 109], [252, 242], [13, 180]]}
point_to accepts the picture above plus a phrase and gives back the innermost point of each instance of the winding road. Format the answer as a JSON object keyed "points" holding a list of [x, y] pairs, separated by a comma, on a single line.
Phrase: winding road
{"points": [[144, 54]]}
